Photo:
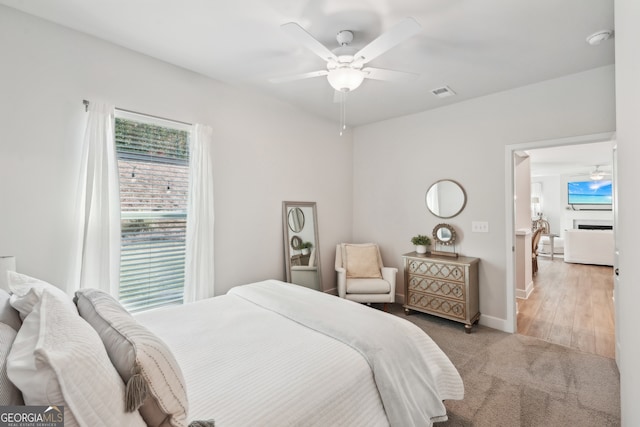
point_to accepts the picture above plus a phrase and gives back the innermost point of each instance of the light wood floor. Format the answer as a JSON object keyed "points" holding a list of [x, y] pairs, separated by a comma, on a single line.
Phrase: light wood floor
{"points": [[571, 305]]}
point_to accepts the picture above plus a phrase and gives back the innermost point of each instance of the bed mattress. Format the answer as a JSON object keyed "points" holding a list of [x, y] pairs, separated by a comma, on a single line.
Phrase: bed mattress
{"points": [[245, 364]]}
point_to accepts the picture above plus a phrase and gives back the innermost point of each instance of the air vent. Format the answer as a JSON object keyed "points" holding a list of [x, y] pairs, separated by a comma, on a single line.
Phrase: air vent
{"points": [[443, 92]]}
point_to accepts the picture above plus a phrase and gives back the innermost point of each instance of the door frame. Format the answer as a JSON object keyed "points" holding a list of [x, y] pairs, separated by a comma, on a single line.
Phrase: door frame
{"points": [[510, 150]]}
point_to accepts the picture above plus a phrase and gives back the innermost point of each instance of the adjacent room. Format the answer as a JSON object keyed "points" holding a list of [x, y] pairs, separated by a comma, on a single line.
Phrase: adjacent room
{"points": [[319, 212], [570, 297]]}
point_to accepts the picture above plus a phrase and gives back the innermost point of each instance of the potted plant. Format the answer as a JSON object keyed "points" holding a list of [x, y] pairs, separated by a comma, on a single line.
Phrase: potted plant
{"points": [[421, 243], [306, 246]]}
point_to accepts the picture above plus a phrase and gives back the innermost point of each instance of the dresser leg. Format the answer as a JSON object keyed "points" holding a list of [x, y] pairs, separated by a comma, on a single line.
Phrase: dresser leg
{"points": [[407, 311], [467, 328]]}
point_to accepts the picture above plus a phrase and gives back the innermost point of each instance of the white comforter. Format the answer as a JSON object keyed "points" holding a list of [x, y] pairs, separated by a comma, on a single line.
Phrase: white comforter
{"points": [[275, 354]]}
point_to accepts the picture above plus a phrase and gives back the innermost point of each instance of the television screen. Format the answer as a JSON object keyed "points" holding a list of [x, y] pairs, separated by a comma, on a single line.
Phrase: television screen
{"points": [[589, 192]]}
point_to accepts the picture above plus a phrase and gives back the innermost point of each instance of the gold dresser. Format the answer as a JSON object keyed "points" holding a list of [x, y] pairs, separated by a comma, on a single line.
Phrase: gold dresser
{"points": [[443, 286]]}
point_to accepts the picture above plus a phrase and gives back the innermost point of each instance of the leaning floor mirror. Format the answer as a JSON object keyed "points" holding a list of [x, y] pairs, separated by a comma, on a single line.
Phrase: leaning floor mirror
{"points": [[301, 244]]}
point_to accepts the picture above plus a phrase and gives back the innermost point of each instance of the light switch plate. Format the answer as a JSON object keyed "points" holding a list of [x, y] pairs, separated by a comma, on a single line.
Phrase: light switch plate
{"points": [[480, 226]]}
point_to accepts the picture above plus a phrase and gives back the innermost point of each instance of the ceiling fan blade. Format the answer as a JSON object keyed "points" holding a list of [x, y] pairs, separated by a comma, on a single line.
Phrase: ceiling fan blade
{"points": [[389, 75], [303, 37], [397, 34], [294, 77]]}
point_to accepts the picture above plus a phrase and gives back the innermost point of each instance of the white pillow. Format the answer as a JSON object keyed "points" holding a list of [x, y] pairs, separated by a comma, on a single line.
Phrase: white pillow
{"points": [[8, 314], [27, 292], [58, 359], [9, 394], [155, 383]]}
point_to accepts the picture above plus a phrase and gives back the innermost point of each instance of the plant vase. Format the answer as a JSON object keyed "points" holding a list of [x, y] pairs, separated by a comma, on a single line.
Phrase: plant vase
{"points": [[305, 251], [421, 249]]}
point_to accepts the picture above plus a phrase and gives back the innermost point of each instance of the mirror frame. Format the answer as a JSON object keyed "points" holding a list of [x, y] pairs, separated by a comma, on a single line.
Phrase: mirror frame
{"points": [[285, 232], [464, 197], [452, 230], [290, 219], [296, 242]]}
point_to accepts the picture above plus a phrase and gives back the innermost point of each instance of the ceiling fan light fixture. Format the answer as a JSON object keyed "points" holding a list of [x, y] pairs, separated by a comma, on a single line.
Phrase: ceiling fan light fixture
{"points": [[345, 79], [596, 174], [599, 36]]}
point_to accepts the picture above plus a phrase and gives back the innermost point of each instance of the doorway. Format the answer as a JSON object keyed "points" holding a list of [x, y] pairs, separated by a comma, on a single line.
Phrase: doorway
{"points": [[553, 269]]}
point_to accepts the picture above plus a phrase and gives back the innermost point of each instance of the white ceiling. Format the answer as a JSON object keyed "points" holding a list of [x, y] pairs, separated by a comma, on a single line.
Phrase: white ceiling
{"points": [[475, 47], [571, 159]]}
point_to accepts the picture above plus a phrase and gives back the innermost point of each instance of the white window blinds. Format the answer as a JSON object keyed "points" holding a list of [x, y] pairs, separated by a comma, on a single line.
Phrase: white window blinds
{"points": [[153, 161]]}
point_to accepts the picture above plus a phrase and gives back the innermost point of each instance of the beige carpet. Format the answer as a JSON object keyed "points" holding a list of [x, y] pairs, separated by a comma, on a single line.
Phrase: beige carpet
{"points": [[512, 380]]}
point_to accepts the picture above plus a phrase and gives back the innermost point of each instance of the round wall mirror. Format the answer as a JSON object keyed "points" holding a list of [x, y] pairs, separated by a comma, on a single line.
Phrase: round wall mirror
{"points": [[445, 198], [296, 220], [444, 234], [296, 243]]}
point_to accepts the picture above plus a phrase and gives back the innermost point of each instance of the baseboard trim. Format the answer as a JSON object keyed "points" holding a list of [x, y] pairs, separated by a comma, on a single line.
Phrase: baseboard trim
{"points": [[524, 294], [332, 291], [494, 322]]}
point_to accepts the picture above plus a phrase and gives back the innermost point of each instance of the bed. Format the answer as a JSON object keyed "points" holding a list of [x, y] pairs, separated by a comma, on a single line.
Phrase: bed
{"points": [[275, 354]]}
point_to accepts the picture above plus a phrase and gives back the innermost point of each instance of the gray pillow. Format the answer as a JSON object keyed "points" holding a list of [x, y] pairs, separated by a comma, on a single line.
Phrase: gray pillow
{"points": [[8, 314], [155, 384], [58, 359], [9, 393]]}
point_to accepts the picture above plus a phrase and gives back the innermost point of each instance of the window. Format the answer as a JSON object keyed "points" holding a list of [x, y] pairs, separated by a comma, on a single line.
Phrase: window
{"points": [[153, 162]]}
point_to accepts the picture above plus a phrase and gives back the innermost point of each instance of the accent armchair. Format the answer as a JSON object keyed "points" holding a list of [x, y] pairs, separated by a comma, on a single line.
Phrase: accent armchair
{"points": [[361, 275]]}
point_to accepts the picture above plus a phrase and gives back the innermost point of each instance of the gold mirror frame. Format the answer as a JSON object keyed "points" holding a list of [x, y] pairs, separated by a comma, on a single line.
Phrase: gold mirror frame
{"points": [[296, 242], [439, 240], [445, 198], [295, 219]]}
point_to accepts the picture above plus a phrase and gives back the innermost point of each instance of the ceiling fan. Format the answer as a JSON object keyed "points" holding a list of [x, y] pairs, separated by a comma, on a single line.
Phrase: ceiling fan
{"points": [[597, 174], [346, 68]]}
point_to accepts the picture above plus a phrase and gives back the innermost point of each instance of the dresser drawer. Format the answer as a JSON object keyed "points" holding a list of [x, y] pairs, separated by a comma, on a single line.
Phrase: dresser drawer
{"points": [[437, 305], [437, 287], [439, 270]]}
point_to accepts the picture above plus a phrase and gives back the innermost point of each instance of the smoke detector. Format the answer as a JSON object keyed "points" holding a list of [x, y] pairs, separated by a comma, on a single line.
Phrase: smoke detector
{"points": [[599, 36]]}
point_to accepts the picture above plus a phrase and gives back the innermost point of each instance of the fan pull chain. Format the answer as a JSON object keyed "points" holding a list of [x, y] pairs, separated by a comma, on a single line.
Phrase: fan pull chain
{"points": [[343, 112]]}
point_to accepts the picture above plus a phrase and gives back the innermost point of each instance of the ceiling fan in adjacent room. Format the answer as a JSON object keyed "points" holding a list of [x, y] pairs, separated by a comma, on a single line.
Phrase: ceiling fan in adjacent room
{"points": [[346, 66], [598, 174]]}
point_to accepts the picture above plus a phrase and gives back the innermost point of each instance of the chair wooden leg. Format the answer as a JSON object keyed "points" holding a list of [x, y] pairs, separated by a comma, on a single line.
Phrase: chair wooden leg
{"points": [[385, 307]]}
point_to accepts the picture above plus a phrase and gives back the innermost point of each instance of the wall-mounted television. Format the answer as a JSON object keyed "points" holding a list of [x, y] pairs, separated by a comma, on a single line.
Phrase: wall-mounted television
{"points": [[589, 192]]}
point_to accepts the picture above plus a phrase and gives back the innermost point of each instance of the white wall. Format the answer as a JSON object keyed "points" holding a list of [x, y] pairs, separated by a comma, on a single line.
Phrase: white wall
{"points": [[627, 13], [395, 161], [260, 145]]}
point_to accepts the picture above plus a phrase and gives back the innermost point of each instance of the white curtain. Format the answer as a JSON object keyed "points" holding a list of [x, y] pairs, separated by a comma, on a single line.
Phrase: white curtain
{"points": [[97, 241], [199, 256]]}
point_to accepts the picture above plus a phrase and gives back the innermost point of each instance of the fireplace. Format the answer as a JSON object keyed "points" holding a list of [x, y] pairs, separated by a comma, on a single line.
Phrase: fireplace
{"points": [[594, 227], [592, 224]]}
